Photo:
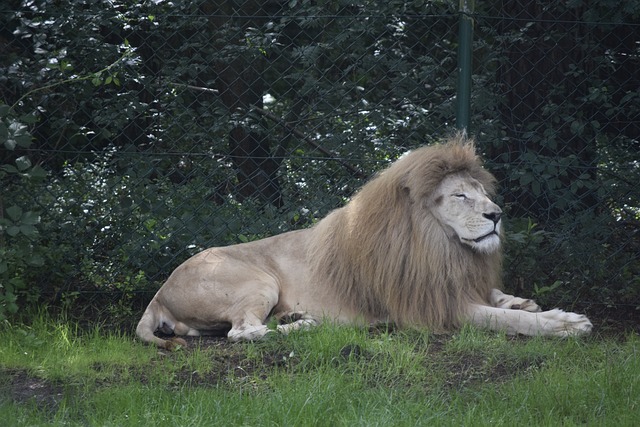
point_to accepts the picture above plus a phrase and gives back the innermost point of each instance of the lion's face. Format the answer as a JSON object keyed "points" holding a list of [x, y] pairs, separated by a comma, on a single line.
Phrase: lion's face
{"points": [[462, 205]]}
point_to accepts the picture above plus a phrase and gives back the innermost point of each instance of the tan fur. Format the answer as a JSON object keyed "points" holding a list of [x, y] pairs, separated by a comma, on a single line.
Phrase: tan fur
{"points": [[388, 257], [418, 245]]}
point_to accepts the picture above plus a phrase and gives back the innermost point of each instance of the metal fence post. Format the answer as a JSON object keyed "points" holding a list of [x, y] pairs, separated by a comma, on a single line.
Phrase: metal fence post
{"points": [[465, 49]]}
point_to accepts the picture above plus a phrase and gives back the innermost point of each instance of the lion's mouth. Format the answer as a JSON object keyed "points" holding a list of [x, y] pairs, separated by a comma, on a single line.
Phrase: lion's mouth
{"points": [[481, 238]]}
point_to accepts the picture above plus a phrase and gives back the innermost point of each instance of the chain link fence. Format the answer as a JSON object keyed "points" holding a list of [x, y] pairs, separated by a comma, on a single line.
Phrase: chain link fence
{"points": [[137, 133]]}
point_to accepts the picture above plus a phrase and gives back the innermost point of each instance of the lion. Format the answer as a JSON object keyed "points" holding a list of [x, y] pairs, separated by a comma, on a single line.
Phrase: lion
{"points": [[417, 246]]}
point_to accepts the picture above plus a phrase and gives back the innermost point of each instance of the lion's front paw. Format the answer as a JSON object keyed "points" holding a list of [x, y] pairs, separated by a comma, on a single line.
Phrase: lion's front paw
{"points": [[502, 300], [566, 324], [524, 304]]}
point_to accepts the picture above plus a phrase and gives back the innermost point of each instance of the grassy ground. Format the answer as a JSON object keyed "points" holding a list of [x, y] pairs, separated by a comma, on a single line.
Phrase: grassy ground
{"points": [[52, 374]]}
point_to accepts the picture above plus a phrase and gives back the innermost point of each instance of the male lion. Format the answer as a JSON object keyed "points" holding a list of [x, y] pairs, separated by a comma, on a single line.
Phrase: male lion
{"points": [[418, 245]]}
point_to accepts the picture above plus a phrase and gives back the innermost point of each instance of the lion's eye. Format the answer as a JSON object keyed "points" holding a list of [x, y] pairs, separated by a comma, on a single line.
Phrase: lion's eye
{"points": [[460, 196]]}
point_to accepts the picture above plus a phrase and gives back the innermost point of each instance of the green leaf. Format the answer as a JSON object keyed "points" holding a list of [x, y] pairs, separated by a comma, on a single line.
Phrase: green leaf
{"points": [[535, 188], [17, 128], [9, 168], [37, 172], [28, 118], [13, 230], [577, 127], [66, 66], [30, 218], [23, 141], [14, 212], [10, 297], [23, 163], [526, 179], [28, 230], [4, 110], [35, 261]]}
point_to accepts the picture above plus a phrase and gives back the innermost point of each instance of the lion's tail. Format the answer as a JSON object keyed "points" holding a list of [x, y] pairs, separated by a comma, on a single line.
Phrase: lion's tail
{"points": [[151, 320]]}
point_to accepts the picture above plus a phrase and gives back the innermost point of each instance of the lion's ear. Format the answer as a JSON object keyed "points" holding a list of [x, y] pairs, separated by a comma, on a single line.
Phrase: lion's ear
{"points": [[404, 188], [406, 192], [407, 196]]}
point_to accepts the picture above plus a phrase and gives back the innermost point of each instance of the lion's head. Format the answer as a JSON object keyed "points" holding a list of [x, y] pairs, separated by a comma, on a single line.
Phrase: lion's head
{"points": [[419, 242], [462, 206]]}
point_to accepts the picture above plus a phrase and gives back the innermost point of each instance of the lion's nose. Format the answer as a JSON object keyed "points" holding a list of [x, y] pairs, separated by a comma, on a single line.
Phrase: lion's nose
{"points": [[493, 216]]}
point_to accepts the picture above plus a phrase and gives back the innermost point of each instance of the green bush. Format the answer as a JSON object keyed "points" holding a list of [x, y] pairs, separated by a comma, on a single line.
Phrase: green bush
{"points": [[20, 248]]}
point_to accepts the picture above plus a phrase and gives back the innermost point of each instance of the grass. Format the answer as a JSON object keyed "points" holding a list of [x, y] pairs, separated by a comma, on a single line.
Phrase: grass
{"points": [[51, 373]]}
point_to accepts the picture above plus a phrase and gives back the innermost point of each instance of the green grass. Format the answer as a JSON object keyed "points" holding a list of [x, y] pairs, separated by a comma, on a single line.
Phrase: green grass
{"points": [[53, 374]]}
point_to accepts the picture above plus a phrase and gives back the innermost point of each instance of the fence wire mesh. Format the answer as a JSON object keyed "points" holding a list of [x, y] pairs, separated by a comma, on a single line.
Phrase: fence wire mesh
{"points": [[137, 133]]}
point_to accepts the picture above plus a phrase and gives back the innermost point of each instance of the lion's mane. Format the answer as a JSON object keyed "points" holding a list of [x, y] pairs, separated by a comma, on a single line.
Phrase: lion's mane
{"points": [[386, 255]]}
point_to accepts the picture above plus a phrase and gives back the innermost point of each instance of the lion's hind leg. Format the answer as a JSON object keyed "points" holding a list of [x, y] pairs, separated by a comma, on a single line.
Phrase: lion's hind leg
{"points": [[157, 317], [251, 309], [249, 332], [499, 299], [181, 328], [251, 328], [295, 320]]}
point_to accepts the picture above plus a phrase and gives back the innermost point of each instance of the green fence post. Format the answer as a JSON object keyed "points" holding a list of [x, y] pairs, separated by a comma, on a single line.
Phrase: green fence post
{"points": [[465, 50]]}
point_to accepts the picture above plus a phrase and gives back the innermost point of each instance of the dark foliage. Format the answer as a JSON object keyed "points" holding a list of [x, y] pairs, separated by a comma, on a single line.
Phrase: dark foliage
{"points": [[135, 134]]}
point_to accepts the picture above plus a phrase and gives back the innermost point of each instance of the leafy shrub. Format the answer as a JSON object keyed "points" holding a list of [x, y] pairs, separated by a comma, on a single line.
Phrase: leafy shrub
{"points": [[20, 251]]}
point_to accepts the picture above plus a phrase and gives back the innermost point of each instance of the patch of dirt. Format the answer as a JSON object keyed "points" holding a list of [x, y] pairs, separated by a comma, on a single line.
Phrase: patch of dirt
{"points": [[27, 389], [229, 362], [479, 367]]}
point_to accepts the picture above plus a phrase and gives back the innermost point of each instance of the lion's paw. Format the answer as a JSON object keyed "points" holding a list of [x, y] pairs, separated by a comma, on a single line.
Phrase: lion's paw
{"points": [[248, 333], [524, 304], [564, 324], [502, 300]]}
